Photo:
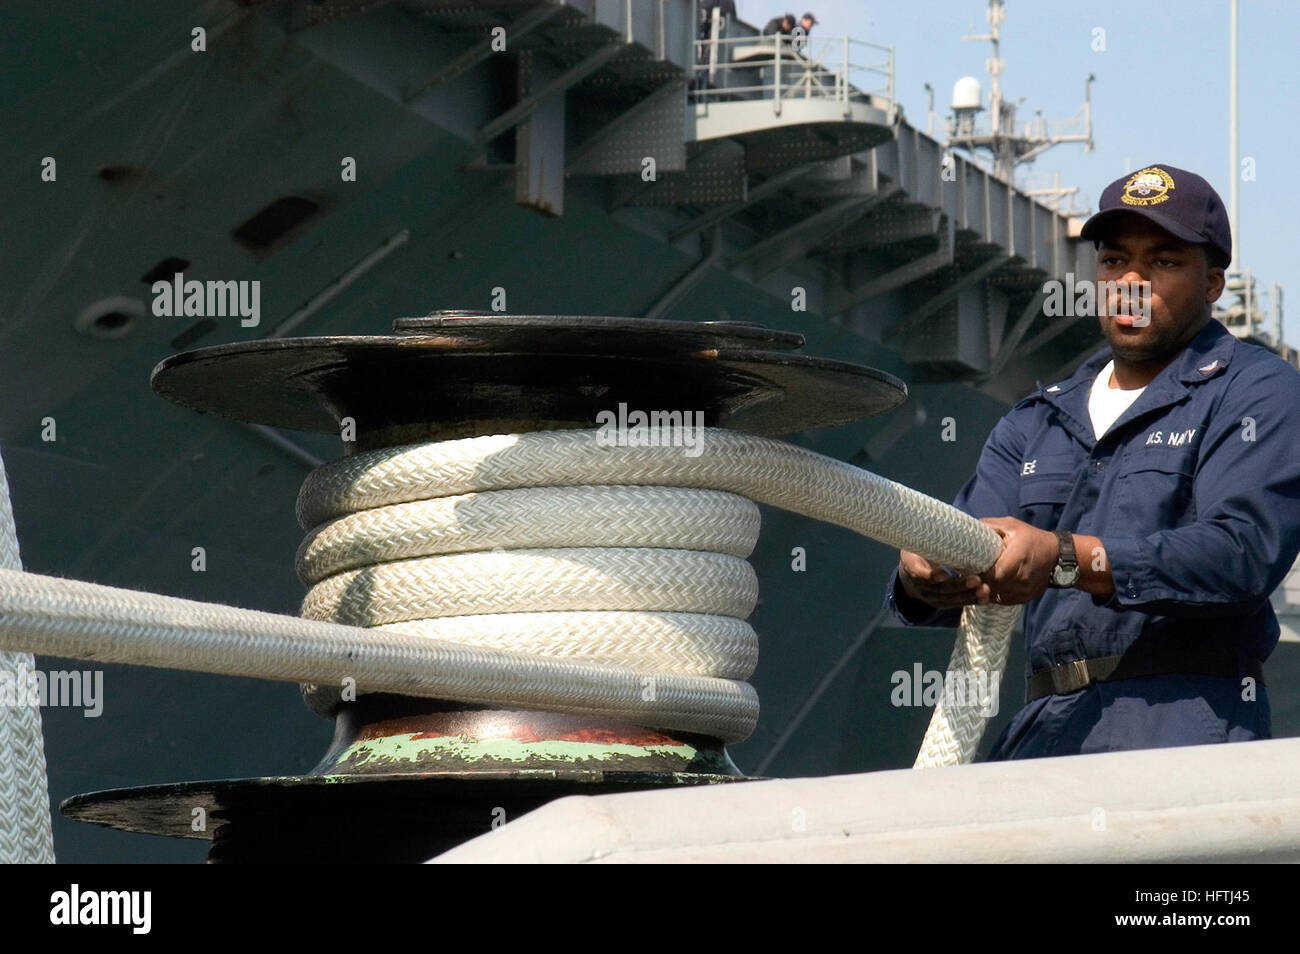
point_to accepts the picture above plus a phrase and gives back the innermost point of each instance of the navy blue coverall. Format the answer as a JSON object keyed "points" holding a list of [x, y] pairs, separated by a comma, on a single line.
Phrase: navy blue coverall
{"points": [[1194, 492]]}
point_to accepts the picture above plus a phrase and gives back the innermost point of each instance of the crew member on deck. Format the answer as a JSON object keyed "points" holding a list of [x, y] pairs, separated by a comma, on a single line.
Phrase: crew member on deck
{"points": [[782, 24], [1149, 504]]}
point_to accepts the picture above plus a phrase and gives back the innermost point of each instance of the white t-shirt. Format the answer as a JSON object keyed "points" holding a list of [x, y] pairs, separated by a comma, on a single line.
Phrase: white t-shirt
{"points": [[1106, 404]]}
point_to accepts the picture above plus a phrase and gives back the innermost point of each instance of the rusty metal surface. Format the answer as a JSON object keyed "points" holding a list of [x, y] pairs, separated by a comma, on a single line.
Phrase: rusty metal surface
{"points": [[392, 734], [405, 779], [457, 367]]}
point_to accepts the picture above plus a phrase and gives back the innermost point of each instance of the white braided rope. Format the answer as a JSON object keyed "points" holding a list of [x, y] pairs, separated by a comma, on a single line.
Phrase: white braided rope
{"points": [[761, 469], [542, 517], [25, 835], [76, 620], [463, 584], [983, 639], [651, 578], [549, 665], [368, 508], [686, 643]]}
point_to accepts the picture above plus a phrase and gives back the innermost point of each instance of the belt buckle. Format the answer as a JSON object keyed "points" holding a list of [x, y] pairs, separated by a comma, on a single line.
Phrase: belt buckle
{"points": [[1071, 677]]}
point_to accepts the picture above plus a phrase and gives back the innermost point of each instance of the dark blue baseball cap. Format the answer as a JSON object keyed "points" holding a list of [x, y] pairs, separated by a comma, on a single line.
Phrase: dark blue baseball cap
{"points": [[1180, 202]]}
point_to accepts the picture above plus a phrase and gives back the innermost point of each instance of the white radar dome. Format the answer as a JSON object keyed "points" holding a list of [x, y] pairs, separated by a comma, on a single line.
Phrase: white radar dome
{"points": [[966, 93]]}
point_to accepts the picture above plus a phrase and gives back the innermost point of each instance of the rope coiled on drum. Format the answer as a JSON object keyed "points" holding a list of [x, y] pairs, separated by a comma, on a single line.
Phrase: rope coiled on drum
{"points": [[558, 546], [543, 570]]}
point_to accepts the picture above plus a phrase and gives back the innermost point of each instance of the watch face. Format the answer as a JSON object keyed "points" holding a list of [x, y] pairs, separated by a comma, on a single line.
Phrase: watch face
{"points": [[1065, 577]]}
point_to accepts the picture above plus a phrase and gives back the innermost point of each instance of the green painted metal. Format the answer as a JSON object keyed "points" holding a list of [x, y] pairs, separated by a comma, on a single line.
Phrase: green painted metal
{"points": [[393, 753]]}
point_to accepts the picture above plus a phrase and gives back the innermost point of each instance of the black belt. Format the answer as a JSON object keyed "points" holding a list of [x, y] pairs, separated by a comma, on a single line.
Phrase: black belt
{"points": [[1073, 676]]}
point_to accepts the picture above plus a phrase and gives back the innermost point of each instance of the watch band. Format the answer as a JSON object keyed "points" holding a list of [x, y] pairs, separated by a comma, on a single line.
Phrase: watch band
{"points": [[1066, 572], [1067, 557]]}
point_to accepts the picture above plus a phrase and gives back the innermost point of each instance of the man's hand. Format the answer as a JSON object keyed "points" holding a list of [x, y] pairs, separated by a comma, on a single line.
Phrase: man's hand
{"points": [[1024, 568], [932, 584]]}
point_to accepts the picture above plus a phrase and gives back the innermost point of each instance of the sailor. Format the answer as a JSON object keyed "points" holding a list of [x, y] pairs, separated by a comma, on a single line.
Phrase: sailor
{"points": [[1148, 505], [782, 24]]}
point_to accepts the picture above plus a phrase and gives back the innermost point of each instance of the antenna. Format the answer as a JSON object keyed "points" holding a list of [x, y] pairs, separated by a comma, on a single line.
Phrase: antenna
{"points": [[1054, 194], [1007, 147], [1232, 135], [1243, 313]]}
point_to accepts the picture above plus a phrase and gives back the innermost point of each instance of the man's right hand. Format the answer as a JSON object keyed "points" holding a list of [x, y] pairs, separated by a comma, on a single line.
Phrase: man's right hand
{"points": [[931, 583]]}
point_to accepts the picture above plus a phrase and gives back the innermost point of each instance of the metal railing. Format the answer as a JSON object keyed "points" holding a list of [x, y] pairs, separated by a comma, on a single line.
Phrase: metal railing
{"points": [[781, 68], [1241, 311]]}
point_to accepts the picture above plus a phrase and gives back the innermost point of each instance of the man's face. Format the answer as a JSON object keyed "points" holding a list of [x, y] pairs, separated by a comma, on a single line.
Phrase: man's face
{"points": [[806, 23], [1183, 286]]}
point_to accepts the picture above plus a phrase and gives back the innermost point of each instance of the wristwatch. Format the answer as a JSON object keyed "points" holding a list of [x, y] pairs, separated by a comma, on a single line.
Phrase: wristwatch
{"points": [[1066, 572]]}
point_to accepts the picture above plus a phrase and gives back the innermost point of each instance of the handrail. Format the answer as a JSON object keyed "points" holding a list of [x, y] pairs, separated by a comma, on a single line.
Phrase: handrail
{"points": [[779, 67]]}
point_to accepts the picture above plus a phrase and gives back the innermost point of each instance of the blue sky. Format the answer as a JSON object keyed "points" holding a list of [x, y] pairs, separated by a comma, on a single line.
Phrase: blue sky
{"points": [[1161, 93]]}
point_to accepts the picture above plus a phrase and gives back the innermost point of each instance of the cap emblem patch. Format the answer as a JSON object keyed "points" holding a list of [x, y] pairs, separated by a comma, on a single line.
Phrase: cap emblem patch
{"points": [[1151, 186]]}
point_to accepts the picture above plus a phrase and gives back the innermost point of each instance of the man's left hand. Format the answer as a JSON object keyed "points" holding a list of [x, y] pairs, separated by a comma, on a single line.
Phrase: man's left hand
{"points": [[1024, 568]]}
